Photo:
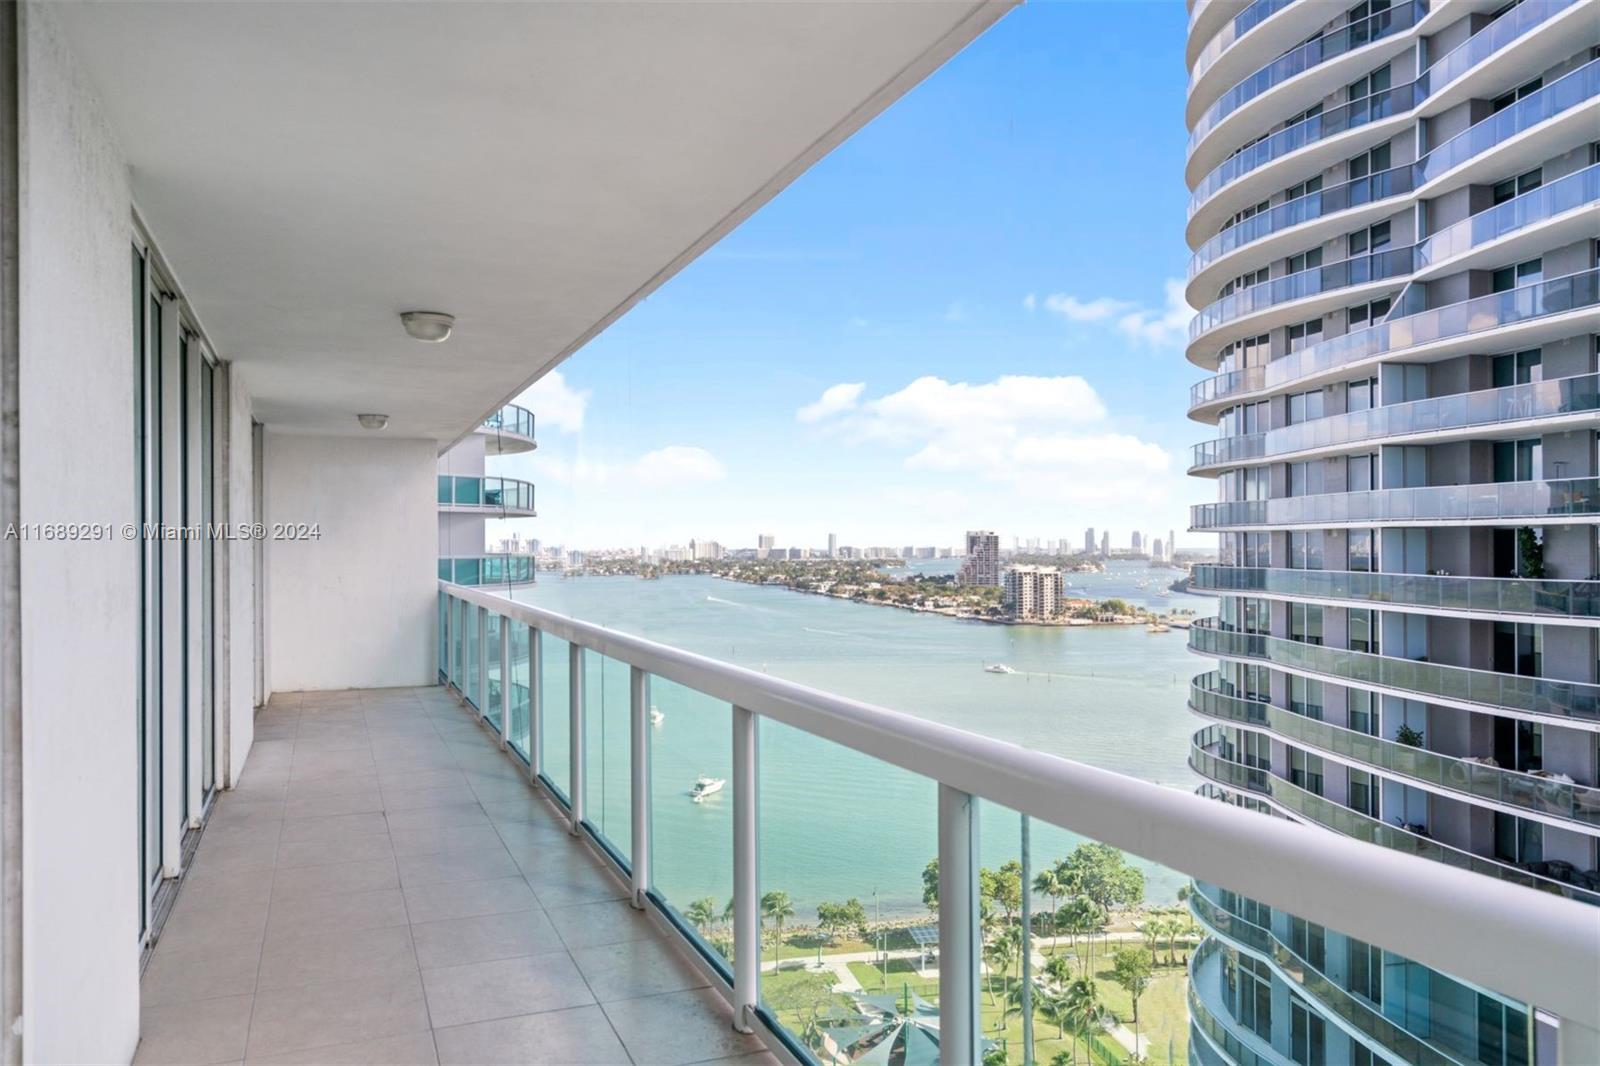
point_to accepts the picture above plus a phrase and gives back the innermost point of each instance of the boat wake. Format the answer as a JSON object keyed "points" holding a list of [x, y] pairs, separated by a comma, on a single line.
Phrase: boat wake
{"points": [[825, 632], [719, 599]]}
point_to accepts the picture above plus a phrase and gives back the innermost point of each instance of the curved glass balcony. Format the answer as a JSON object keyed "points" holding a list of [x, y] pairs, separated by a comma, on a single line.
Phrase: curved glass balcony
{"points": [[1232, 30], [1472, 780], [1318, 127], [488, 569], [1519, 500], [1557, 198], [1212, 766], [1379, 266], [511, 419], [1458, 684], [490, 493], [1463, 410], [1342, 819], [1557, 296], [1547, 600], [1560, 95], [1217, 1026], [1314, 52], [1362, 1016]]}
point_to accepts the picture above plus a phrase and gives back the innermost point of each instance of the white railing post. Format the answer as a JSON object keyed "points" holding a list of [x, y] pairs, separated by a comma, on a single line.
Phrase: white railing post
{"points": [[960, 949], [575, 734], [639, 763], [746, 872], [505, 682], [535, 703], [449, 629], [483, 662]]}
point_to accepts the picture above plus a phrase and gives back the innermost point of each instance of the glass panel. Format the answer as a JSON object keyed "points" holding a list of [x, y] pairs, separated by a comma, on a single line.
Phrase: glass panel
{"points": [[691, 840], [493, 666], [517, 736], [470, 668], [608, 777], [444, 636], [555, 743], [846, 842]]}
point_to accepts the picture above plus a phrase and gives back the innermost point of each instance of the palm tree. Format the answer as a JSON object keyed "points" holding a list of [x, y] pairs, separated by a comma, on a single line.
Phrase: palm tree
{"points": [[701, 913], [1059, 970], [1082, 917], [1049, 884], [776, 906], [1083, 1012], [999, 953]]}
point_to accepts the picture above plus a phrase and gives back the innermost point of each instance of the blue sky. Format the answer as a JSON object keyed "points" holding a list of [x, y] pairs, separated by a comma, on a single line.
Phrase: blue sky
{"points": [[962, 318]]}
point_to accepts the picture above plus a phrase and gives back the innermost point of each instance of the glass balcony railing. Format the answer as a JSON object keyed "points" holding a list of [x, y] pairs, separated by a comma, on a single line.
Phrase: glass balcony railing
{"points": [[1511, 26], [1207, 761], [1575, 292], [490, 493], [1379, 266], [1342, 819], [1208, 696], [475, 570], [1318, 50], [575, 706], [1217, 1025], [1547, 600], [511, 419], [1231, 31], [1560, 196], [1531, 501], [1563, 94], [1488, 407], [1459, 684], [1364, 1017]]}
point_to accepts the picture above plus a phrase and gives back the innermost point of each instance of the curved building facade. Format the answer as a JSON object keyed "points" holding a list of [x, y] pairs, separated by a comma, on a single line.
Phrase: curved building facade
{"points": [[1393, 218], [469, 496]]}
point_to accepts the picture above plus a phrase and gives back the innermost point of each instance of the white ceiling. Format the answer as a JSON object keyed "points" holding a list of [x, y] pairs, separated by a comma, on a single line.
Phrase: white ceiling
{"points": [[310, 170]]}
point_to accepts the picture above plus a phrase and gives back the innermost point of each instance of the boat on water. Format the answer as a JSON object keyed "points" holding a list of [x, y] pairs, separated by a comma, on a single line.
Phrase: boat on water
{"points": [[705, 786], [656, 717], [1157, 627], [998, 668]]}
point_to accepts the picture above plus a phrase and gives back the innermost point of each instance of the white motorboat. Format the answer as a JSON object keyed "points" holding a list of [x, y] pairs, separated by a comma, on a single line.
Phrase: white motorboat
{"points": [[705, 786], [998, 668]]}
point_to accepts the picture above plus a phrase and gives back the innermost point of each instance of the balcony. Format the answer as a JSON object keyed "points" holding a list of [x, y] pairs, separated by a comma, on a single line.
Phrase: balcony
{"points": [[1557, 401], [1459, 686], [507, 497], [1543, 600], [1437, 331], [1467, 779], [1493, 503], [499, 569], [509, 431], [1231, 31]]}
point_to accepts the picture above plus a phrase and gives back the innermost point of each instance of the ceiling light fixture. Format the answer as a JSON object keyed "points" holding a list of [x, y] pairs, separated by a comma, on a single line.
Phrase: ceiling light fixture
{"points": [[372, 421], [432, 326]]}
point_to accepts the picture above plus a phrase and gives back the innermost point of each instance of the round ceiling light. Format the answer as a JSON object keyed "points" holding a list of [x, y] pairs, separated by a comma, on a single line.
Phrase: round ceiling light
{"points": [[372, 421], [432, 326]]}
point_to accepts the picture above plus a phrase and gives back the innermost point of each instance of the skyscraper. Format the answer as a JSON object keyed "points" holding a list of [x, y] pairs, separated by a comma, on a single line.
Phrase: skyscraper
{"points": [[1172, 544], [1136, 542], [1088, 541], [1032, 591], [1389, 304], [982, 566], [1105, 543], [764, 544], [833, 545]]}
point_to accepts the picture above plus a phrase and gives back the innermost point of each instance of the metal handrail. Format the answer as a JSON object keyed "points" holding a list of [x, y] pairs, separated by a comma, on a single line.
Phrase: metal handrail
{"points": [[1535, 947]]}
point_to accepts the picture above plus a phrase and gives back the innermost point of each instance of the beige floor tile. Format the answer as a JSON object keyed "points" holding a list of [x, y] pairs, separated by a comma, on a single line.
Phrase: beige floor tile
{"points": [[587, 925], [578, 1037], [207, 972], [339, 1012], [503, 988], [484, 938], [324, 957], [211, 1030], [466, 899], [679, 1028], [345, 911], [365, 875], [322, 852], [635, 968], [410, 1049], [440, 867]]}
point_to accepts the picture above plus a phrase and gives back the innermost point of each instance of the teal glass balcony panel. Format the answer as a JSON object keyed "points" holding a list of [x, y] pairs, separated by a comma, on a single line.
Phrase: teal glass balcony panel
{"points": [[511, 419], [1575, 498], [497, 493], [1463, 410], [1363, 1017], [1231, 31], [1318, 50], [1362, 270], [1530, 695], [1561, 95], [469, 491], [1396, 181], [446, 489], [1546, 599], [1206, 760], [489, 569], [1565, 194], [1225, 386], [1342, 819], [1209, 696]]}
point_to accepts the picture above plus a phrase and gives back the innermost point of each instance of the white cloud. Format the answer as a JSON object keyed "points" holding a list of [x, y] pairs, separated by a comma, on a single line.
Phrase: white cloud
{"points": [[1164, 327], [676, 464], [835, 398], [555, 404], [933, 408]]}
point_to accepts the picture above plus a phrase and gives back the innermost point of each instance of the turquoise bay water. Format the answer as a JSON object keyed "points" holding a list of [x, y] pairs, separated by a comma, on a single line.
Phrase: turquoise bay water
{"points": [[836, 824]]}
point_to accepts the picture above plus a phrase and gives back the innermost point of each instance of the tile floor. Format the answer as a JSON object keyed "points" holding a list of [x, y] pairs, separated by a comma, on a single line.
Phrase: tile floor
{"points": [[384, 887]]}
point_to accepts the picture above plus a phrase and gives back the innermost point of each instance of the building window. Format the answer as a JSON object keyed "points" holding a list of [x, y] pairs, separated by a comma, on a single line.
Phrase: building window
{"points": [[1376, 82], [1305, 406], [1361, 710], [1305, 696], [1305, 623], [1370, 239], [1306, 550], [1364, 962], [1368, 314], [1518, 840], [1304, 188], [1308, 260], [1369, 162], [1304, 334], [1307, 479], [1307, 1035], [1519, 460], [1309, 941], [1362, 473], [1513, 187], [1363, 550], [1525, 273], [1519, 649], [1518, 368], [1502, 1032], [1305, 770], [1255, 996], [1362, 394], [1364, 793], [1363, 631], [1505, 100]]}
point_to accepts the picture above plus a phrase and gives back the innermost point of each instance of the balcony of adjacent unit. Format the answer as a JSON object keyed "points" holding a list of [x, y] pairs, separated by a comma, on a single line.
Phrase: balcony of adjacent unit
{"points": [[1216, 1038], [1548, 406], [1265, 27], [1541, 125], [1573, 500], [1548, 797], [497, 569], [1525, 316], [509, 431], [1298, 79], [1207, 18], [1456, 686], [505, 497], [1298, 296]]}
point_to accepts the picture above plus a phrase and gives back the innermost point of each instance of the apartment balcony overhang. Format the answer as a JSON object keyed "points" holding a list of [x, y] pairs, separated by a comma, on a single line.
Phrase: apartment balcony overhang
{"points": [[311, 171], [509, 431], [1227, 56]]}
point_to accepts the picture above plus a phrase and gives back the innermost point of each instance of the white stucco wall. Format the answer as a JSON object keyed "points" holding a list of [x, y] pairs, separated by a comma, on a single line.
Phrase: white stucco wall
{"points": [[79, 599], [241, 579], [356, 608]]}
